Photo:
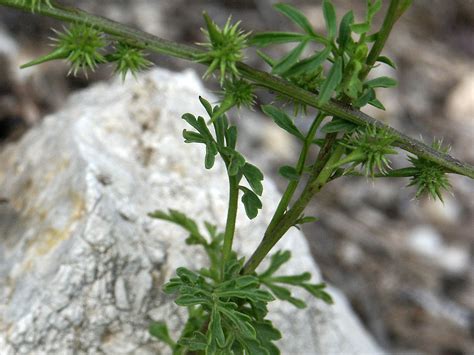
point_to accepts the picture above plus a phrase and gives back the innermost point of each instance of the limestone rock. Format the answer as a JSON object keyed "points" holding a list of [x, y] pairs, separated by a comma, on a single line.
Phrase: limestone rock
{"points": [[81, 264]]}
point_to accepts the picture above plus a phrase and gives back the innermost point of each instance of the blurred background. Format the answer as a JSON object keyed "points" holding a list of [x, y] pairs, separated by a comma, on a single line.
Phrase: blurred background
{"points": [[406, 266]]}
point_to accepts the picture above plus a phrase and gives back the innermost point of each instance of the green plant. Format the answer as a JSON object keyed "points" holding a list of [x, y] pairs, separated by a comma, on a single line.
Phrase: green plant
{"points": [[227, 299]]}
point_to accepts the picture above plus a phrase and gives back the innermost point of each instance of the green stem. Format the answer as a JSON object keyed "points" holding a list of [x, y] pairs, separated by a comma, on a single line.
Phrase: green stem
{"points": [[292, 185], [335, 108], [230, 223], [322, 171], [390, 18]]}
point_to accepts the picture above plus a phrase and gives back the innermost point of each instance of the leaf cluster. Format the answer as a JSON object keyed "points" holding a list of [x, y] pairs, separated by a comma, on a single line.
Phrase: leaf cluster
{"points": [[346, 56], [227, 312]]}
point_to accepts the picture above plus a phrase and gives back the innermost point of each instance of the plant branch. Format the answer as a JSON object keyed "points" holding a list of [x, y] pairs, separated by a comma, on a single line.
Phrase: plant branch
{"points": [[293, 184], [390, 18], [156, 44], [320, 175]]}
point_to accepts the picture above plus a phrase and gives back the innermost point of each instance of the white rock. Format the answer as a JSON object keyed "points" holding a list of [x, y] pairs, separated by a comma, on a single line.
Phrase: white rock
{"points": [[81, 264]]}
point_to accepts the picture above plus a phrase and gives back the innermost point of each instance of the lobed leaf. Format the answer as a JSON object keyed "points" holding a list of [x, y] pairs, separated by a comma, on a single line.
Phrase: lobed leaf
{"points": [[254, 177], [251, 202]]}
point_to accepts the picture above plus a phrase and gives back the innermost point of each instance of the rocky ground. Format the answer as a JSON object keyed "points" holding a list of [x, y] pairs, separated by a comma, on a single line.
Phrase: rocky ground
{"points": [[406, 266]]}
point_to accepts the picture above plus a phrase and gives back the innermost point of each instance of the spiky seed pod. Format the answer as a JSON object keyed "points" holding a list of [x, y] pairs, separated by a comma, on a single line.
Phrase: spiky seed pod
{"points": [[128, 59], [35, 4], [224, 46], [429, 178], [237, 92], [369, 148], [82, 43]]}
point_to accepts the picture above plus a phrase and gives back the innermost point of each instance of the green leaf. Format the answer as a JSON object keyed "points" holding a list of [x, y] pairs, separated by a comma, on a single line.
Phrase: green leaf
{"points": [[289, 172], [345, 29], [306, 219], [211, 152], [276, 261], [206, 104], [182, 220], [190, 300], [215, 327], [284, 294], [197, 342], [282, 120], [330, 18], [251, 295], [309, 64], [295, 280], [254, 177], [231, 137], [266, 58], [296, 16], [373, 8], [317, 290], [252, 346], [332, 81], [381, 82], [236, 160], [368, 95], [338, 125], [241, 322], [193, 137], [387, 60], [377, 103], [266, 330], [360, 28], [289, 60], [268, 38], [160, 330], [251, 202]]}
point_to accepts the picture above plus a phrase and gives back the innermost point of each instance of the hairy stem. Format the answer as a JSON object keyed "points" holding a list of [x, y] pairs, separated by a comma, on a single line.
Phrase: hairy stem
{"points": [[336, 108]]}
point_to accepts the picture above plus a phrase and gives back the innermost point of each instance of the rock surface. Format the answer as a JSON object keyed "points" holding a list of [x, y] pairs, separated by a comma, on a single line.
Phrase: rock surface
{"points": [[81, 265]]}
